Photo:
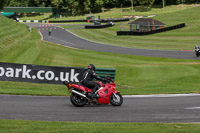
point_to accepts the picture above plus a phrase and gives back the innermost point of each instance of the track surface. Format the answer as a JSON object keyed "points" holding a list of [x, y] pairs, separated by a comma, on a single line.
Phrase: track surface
{"points": [[135, 109], [149, 109], [66, 38]]}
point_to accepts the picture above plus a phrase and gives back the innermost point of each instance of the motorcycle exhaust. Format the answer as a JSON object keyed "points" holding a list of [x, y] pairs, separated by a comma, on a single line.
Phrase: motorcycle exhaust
{"points": [[78, 93]]}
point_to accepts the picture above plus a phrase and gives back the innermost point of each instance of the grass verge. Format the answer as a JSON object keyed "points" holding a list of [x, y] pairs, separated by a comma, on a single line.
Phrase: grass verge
{"points": [[179, 39], [134, 74], [20, 126]]}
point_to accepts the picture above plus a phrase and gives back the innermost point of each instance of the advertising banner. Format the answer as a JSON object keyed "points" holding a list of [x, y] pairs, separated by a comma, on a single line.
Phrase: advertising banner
{"points": [[39, 74]]}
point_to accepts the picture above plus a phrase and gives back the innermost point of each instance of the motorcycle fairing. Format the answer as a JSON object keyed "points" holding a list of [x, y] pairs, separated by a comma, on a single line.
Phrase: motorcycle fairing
{"points": [[81, 87], [105, 94]]}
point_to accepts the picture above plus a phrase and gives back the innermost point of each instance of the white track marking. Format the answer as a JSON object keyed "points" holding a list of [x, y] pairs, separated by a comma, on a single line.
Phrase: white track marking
{"points": [[160, 95], [193, 108]]}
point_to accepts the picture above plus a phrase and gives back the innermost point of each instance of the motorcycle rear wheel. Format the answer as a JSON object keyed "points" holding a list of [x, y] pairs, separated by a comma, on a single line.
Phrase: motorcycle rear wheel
{"points": [[116, 100], [77, 100]]}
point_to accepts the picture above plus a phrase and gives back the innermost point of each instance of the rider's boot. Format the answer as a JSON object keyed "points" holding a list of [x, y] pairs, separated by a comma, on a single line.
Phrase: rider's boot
{"points": [[92, 94]]}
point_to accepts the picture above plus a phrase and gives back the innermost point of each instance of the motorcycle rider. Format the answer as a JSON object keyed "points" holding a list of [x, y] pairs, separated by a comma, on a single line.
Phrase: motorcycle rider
{"points": [[197, 50], [87, 80]]}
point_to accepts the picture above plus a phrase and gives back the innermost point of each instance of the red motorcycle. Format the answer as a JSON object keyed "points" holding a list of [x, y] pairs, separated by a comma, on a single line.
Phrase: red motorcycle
{"points": [[106, 94]]}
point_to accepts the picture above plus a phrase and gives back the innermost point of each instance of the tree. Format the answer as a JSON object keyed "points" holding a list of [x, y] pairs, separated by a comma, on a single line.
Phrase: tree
{"points": [[18, 3], [3, 3], [132, 4], [96, 5], [163, 1], [149, 3], [57, 3], [39, 3], [110, 3]]}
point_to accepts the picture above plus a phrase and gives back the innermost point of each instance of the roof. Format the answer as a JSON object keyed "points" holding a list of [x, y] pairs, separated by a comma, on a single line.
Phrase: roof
{"points": [[146, 21]]}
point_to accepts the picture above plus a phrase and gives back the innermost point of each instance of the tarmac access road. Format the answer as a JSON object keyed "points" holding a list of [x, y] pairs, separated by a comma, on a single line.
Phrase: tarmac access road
{"points": [[63, 37], [172, 109]]}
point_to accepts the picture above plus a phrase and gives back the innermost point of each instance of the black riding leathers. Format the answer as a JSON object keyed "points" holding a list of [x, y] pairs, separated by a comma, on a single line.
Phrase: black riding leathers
{"points": [[88, 77]]}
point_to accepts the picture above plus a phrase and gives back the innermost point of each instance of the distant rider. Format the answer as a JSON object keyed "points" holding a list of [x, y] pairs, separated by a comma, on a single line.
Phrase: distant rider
{"points": [[50, 30], [88, 77]]}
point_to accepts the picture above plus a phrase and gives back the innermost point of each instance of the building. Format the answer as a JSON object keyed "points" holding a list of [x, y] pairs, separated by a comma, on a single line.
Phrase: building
{"points": [[145, 24]]}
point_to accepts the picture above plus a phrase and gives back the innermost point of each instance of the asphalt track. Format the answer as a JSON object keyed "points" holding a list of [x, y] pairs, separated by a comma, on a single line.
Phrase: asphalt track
{"points": [[183, 109], [68, 39], [165, 108]]}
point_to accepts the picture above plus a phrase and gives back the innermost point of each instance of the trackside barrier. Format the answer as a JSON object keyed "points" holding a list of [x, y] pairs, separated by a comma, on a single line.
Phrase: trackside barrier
{"points": [[114, 20], [67, 21], [98, 26], [85, 20], [102, 72], [46, 74], [33, 21], [151, 32]]}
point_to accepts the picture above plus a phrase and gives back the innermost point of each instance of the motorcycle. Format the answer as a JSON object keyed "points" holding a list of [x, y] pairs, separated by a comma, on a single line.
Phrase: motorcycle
{"points": [[106, 94], [197, 50]]}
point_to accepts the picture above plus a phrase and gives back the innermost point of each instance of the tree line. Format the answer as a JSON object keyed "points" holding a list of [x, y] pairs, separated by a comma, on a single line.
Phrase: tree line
{"points": [[89, 6]]}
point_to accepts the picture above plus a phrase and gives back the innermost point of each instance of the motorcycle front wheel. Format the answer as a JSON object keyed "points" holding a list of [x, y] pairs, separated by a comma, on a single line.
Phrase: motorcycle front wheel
{"points": [[77, 100], [116, 99], [197, 54]]}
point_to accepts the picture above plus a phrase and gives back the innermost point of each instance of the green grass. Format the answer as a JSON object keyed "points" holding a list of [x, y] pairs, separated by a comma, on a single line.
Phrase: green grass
{"points": [[30, 16], [118, 13], [73, 26], [134, 74], [19, 126], [115, 13], [180, 39]]}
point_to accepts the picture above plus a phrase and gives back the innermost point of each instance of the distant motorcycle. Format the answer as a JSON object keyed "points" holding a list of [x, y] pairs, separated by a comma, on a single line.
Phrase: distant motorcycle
{"points": [[197, 50], [106, 94]]}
